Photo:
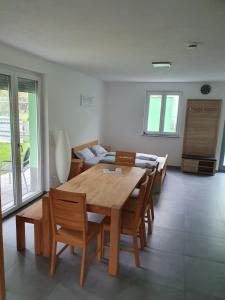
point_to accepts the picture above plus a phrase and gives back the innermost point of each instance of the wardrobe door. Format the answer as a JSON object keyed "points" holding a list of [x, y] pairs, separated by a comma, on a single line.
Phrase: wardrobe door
{"points": [[201, 130]]}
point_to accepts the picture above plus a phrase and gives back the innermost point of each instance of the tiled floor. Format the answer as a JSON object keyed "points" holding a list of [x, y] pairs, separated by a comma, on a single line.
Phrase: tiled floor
{"points": [[185, 258]]}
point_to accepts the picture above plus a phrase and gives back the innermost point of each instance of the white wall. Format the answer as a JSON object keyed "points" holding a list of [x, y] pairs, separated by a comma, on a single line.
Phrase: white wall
{"points": [[118, 121], [62, 89], [124, 113]]}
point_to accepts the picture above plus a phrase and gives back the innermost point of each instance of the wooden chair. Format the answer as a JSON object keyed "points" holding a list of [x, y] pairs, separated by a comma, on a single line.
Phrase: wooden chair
{"points": [[148, 211], [124, 158], [130, 224], [70, 226], [6, 166]]}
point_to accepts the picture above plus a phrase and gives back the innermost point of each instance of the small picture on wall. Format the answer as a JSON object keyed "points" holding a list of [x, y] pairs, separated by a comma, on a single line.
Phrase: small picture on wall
{"points": [[86, 101]]}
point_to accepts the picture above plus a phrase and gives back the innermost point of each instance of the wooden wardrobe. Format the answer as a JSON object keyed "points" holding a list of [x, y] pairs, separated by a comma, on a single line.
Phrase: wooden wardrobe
{"points": [[2, 274], [200, 136]]}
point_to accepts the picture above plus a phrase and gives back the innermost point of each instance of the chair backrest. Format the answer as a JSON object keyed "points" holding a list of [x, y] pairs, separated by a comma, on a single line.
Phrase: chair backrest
{"points": [[26, 159], [68, 210], [125, 158], [140, 202], [151, 178]]}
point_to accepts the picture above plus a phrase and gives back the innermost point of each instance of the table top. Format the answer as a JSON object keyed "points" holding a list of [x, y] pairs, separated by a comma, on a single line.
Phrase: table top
{"points": [[105, 190]]}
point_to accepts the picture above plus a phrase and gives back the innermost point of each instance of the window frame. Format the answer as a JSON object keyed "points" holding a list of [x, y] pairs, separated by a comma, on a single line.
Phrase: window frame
{"points": [[161, 132]]}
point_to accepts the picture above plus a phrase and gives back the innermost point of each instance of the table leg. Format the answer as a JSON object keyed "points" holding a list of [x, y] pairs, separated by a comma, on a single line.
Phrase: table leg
{"points": [[114, 241]]}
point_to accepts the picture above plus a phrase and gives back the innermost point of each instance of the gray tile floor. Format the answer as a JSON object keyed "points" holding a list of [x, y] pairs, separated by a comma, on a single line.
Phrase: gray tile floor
{"points": [[185, 257]]}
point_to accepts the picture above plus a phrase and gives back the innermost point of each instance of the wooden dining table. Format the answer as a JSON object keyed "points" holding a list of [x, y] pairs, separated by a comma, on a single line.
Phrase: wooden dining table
{"points": [[106, 194]]}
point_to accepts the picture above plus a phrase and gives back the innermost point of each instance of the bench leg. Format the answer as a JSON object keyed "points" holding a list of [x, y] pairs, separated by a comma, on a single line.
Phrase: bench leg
{"points": [[20, 234], [37, 238]]}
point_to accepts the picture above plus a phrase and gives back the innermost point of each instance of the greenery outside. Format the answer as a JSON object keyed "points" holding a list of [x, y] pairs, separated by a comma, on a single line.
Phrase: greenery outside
{"points": [[5, 151], [5, 147], [169, 115]]}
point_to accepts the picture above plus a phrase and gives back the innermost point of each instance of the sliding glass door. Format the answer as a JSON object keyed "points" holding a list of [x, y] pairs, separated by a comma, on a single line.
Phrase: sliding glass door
{"points": [[20, 166], [6, 149], [27, 109]]}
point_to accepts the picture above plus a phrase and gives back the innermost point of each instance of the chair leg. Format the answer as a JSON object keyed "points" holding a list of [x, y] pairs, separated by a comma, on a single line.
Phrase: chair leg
{"points": [[152, 208], [83, 265], [149, 222], [25, 181], [10, 181], [99, 246], [53, 258], [143, 240], [102, 243], [71, 250], [136, 255]]}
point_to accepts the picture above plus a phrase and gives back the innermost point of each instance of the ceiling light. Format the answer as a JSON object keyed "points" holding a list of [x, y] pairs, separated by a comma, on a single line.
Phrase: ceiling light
{"points": [[161, 64], [192, 45]]}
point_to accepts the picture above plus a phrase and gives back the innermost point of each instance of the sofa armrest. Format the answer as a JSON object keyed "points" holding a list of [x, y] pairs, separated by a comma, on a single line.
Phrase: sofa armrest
{"points": [[107, 147], [76, 160], [75, 167]]}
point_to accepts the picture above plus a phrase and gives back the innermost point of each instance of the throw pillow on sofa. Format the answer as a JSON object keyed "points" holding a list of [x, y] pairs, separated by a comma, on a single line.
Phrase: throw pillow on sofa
{"points": [[85, 154]]}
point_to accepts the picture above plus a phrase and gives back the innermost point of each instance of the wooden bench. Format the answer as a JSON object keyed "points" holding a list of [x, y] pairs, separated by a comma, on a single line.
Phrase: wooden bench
{"points": [[32, 215]]}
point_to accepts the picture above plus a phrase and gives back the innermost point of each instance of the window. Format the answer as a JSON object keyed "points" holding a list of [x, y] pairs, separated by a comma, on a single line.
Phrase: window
{"points": [[161, 116]]}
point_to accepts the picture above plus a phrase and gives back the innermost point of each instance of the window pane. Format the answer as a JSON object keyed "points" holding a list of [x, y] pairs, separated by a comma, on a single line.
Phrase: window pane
{"points": [[155, 104], [6, 166], [27, 102], [171, 113]]}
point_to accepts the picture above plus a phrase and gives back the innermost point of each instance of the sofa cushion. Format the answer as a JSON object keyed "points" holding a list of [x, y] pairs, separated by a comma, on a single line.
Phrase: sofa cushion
{"points": [[98, 150], [85, 154], [111, 153], [107, 160], [148, 157]]}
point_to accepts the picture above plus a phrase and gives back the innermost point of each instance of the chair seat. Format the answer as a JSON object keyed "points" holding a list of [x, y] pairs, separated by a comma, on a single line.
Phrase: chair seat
{"points": [[127, 223], [135, 193], [7, 168], [75, 237]]}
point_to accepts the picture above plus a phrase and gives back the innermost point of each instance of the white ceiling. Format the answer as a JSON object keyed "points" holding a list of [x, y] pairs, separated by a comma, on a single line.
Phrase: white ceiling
{"points": [[117, 40]]}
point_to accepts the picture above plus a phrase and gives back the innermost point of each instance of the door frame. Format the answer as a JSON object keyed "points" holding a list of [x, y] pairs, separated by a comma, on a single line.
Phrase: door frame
{"points": [[14, 73], [222, 153]]}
